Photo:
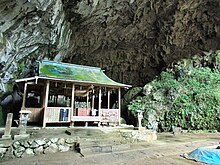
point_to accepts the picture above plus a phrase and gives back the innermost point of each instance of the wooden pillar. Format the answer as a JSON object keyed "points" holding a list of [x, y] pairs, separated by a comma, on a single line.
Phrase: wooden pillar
{"points": [[72, 112], [24, 96], [93, 98], [119, 106], [87, 100], [46, 102], [108, 99], [100, 101]]}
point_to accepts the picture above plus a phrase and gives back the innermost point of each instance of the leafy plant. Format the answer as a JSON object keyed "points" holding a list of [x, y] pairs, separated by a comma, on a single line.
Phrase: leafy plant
{"points": [[184, 96]]}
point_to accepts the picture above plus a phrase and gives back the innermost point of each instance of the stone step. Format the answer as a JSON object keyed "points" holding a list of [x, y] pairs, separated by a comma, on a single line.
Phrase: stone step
{"points": [[89, 142], [103, 148], [102, 145]]}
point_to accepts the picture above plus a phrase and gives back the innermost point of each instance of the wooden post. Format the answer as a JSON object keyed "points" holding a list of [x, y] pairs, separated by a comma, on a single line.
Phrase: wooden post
{"points": [[72, 113], [46, 102], [108, 99], [87, 100], [119, 106], [24, 96], [100, 101], [93, 98]]}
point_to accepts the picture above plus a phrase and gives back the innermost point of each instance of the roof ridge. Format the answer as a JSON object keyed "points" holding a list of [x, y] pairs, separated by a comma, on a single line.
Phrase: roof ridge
{"points": [[70, 64]]}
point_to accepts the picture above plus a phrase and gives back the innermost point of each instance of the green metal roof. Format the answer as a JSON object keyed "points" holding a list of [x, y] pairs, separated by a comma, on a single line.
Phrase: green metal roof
{"points": [[77, 73]]}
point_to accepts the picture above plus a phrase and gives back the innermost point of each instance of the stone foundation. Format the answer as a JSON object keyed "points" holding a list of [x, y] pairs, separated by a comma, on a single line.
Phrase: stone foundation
{"points": [[27, 148]]}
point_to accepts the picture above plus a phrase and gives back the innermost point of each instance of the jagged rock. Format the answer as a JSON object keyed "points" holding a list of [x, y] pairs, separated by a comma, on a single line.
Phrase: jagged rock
{"points": [[53, 148], [39, 150]]}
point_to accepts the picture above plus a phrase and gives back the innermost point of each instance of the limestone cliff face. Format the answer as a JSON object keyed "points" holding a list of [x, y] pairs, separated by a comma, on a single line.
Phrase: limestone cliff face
{"points": [[133, 40]]}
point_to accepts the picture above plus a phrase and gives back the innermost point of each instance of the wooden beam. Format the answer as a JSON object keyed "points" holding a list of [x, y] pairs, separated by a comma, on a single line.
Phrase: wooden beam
{"points": [[46, 102], [119, 106], [24, 96]]}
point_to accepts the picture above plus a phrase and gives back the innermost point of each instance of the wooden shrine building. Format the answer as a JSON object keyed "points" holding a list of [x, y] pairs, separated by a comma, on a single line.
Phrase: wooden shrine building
{"points": [[68, 93]]}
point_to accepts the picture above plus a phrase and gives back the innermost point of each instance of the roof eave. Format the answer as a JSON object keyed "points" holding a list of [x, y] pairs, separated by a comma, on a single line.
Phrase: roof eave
{"points": [[74, 81]]}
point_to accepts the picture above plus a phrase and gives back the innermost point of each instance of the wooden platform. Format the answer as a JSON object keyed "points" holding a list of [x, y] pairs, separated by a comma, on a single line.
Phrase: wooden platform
{"points": [[85, 118]]}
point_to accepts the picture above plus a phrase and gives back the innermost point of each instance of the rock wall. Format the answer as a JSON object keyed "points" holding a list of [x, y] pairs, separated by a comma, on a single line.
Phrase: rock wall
{"points": [[132, 40], [29, 31]]}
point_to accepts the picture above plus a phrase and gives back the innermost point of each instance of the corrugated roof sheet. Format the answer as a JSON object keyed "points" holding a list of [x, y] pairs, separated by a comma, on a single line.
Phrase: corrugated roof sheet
{"points": [[74, 72]]}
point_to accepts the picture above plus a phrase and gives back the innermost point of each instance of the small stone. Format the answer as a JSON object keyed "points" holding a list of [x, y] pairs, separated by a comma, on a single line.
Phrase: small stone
{"points": [[30, 141], [34, 145], [39, 150], [24, 144], [28, 153], [53, 148], [19, 151], [63, 148], [47, 144], [72, 140], [2, 152], [9, 154], [40, 142], [54, 140], [61, 141], [16, 144]]}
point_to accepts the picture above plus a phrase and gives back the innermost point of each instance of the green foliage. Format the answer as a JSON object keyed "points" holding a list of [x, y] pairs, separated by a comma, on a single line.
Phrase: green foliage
{"points": [[186, 96]]}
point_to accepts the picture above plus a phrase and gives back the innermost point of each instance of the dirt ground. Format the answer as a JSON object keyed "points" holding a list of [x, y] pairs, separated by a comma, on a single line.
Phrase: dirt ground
{"points": [[165, 151]]}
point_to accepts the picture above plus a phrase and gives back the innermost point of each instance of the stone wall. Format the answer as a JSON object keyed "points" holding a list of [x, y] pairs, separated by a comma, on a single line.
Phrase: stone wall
{"points": [[27, 148]]}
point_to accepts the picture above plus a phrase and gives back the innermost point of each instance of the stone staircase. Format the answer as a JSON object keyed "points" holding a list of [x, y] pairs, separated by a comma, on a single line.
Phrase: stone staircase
{"points": [[102, 143]]}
